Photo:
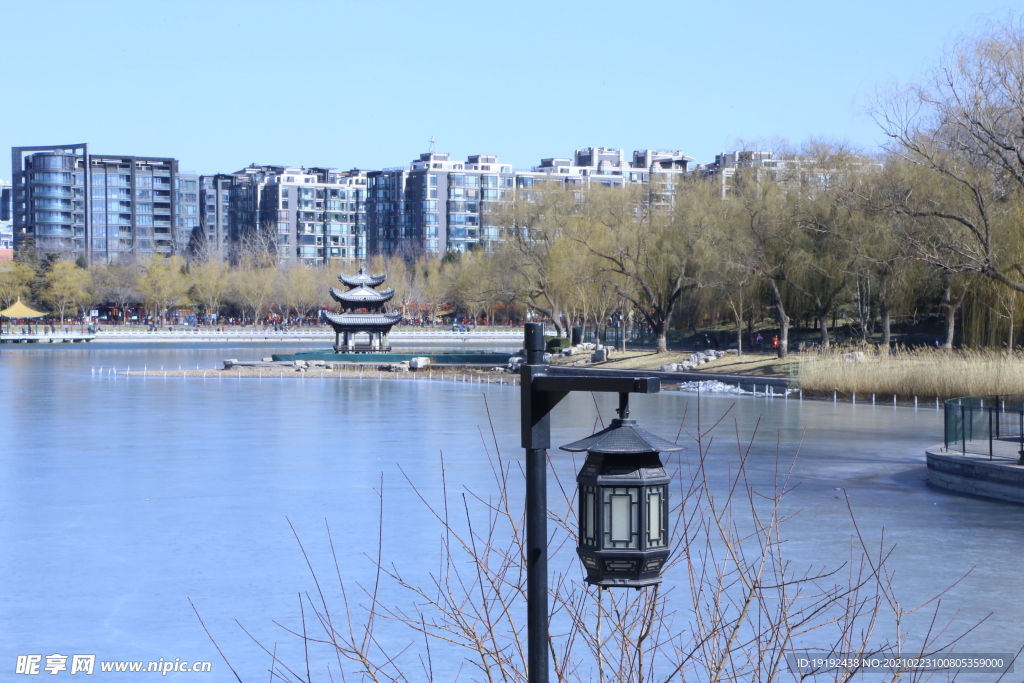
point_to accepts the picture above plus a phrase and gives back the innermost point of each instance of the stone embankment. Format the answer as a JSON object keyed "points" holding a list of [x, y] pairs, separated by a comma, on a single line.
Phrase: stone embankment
{"points": [[234, 369], [977, 475]]}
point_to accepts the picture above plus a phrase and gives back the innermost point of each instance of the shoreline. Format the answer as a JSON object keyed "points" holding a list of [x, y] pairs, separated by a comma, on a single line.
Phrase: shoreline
{"points": [[367, 371], [415, 336]]}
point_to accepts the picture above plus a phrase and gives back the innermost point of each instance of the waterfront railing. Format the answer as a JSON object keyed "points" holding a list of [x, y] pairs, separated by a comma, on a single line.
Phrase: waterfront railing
{"points": [[990, 425]]}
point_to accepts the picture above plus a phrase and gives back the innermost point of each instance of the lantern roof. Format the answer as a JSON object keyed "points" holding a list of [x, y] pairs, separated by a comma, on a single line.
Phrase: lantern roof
{"points": [[623, 436]]}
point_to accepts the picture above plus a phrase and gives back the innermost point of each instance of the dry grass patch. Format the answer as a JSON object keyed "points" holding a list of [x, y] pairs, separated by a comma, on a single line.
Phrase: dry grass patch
{"points": [[730, 364], [925, 373]]}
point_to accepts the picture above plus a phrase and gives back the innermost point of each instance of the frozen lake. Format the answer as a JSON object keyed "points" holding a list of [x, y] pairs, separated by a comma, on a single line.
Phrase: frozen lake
{"points": [[120, 498]]}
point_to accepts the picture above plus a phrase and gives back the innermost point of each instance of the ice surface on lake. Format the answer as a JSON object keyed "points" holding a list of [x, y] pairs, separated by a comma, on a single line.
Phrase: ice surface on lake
{"points": [[121, 498]]}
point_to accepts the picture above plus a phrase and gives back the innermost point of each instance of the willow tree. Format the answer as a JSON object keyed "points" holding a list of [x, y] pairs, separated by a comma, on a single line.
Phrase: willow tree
{"points": [[209, 283], [882, 255], [15, 281], [823, 262], [963, 128], [254, 282], [540, 249], [656, 243], [65, 286], [300, 288], [765, 240], [163, 284]]}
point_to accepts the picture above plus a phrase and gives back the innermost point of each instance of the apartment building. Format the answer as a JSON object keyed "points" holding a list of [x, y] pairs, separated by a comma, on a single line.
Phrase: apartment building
{"points": [[101, 207], [309, 215], [436, 205], [214, 211], [611, 167], [439, 204], [6, 226]]}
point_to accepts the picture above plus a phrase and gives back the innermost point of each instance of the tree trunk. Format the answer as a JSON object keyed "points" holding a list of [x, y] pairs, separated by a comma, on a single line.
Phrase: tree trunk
{"points": [[823, 326], [559, 329], [661, 330], [951, 308], [950, 328], [783, 319], [737, 314], [883, 309]]}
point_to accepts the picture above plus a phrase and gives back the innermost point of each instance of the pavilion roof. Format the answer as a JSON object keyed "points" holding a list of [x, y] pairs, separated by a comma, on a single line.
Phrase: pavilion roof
{"points": [[363, 320], [363, 278], [20, 310], [362, 295]]}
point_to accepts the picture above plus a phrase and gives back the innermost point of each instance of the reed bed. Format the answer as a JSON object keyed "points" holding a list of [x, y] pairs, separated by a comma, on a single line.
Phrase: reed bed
{"points": [[926, 373]]}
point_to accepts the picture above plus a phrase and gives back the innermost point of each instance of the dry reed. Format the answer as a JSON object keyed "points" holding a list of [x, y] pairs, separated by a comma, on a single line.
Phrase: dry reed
{"points": [[926, 373]]}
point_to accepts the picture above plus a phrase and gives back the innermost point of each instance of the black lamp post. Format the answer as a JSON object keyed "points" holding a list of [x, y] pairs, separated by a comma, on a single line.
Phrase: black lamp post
{"points": [[623, 502]]}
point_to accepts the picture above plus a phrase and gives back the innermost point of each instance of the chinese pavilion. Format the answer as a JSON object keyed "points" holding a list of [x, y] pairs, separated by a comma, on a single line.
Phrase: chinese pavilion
{"points": [[362, 310]]}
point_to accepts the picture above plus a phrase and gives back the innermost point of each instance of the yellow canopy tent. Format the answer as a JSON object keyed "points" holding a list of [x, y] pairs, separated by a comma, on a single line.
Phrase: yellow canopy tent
{"points": [[18, 310]]}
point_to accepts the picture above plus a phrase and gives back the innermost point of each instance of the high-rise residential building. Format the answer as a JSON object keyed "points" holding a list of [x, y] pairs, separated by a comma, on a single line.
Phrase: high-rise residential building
{"points": [[102, 207], [439, 204], [215, 210], [6, 226], [320, 214], [610, 168], [436, 205], [760, 164], [312, 215]]}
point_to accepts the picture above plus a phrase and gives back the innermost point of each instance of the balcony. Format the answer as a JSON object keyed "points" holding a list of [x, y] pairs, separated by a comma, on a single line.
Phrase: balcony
{"points": [[52, 191]]}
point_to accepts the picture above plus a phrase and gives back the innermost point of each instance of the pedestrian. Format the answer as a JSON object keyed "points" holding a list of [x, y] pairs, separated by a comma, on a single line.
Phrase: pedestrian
{"points": [[759, 340]]}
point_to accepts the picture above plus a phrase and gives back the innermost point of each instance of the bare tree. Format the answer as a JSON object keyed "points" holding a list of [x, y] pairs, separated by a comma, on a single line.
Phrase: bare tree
{"points": [[963, 130], [118, 284], [256, 245], [659, 251], [744, 609]]}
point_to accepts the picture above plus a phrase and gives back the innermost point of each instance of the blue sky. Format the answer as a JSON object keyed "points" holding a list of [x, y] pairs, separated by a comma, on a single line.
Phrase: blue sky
{"points": [[222, 83]]}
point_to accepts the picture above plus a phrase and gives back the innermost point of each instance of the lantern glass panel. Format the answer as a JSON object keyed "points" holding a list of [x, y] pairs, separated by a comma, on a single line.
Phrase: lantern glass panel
{"points": [[620, 519], [621, 508], [589, 516], [657, 501]]}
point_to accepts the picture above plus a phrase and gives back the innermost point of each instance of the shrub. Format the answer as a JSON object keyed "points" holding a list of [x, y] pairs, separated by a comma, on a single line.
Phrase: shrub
{"points": [[556, 344]]}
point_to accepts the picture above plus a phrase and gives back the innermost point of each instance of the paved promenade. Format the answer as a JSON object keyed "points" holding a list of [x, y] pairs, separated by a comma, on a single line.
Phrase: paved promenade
{"points": [[73, 336], [420, 335]]}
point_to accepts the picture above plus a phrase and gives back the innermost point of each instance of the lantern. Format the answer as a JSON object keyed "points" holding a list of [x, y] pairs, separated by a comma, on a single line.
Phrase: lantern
{"points": [[623, 504]]}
